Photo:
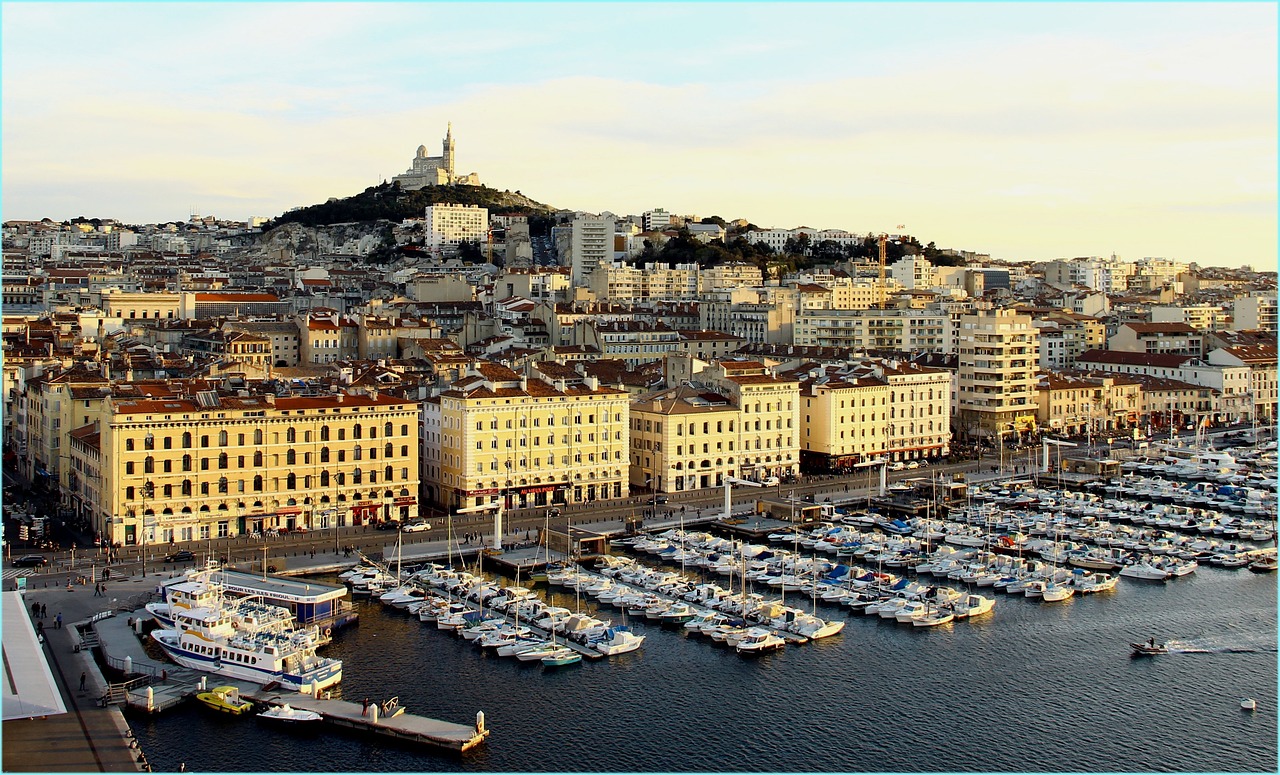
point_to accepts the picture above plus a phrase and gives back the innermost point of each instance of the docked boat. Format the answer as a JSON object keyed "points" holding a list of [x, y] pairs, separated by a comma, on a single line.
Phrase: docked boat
{"points": [[1264, 565], [757, 640], [1150, 648], [226, 699], [619, 640], [560, 657], [211, 639], [286, 714]]}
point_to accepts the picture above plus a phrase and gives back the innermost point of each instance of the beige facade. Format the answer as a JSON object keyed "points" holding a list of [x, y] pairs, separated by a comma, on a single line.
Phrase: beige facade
{"points": [[996, 378], [142, 306], [903, 330], [730, 277], [683, 438], [770, 417], [185, 469], [528, 442]]}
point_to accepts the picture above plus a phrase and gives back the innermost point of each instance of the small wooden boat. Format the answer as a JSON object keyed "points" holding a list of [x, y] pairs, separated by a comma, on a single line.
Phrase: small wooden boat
{"points": [[1248, 703], [1148, 649], [561, 657], [290, 715], [226, 699]]}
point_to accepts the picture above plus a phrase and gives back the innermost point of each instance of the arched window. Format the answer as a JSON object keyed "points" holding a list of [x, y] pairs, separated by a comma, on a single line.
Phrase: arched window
{"points": [[324, 454], [257, 459], [222, 485], [356, 476], [186, 487], [186, 440], [257, 436], [257, 483], [324, 432], [222, 460], [357, 453], [222, 438], [388, 450], [291, 435], [290, 458], [291, 481], [186, 463], [389, 473], [324, 478], [357, 432], [387, 429], [149, 465]]}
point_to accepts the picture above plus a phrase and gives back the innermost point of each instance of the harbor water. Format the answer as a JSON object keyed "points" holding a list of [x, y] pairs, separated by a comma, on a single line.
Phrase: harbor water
{"points": [[1033, 687]]}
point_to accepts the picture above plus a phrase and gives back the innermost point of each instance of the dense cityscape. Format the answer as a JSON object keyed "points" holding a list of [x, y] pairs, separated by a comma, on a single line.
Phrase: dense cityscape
{"points": [[209, 378]]}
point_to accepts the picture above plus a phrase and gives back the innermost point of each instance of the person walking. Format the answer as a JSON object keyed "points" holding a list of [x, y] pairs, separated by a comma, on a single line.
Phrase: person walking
{"points": [[57, 621], [83, 677], [44, 611]]}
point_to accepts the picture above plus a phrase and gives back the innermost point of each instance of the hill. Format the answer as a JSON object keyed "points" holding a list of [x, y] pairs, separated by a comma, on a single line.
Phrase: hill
{"points": [[388, 202]]}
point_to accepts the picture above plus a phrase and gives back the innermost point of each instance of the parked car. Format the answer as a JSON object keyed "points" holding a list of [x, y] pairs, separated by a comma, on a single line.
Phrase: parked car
{"points": [[771, 481], [661, 499], [180, 556], [30, 561], [389, 524], [897, 466], [416, 527]]}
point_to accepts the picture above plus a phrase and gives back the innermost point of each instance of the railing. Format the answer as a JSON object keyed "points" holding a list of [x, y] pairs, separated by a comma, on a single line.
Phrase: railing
{"points": [[118, 693]]}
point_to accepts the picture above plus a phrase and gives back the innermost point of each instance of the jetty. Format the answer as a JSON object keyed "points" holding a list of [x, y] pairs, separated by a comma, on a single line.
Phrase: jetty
{"points": [[153, 686]]}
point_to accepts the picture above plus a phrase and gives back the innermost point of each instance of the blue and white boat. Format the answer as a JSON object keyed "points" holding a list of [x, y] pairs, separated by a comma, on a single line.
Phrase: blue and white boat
{"points": [[213, 639]]}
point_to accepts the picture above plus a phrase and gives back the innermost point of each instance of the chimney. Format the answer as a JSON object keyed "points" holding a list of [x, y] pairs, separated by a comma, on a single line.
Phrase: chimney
{"points": [[271, 398], [657, 404], [340, 397]]}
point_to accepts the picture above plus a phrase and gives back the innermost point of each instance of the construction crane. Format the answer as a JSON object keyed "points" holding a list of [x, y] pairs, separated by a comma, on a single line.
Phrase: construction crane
{"points": [[884, 238]]}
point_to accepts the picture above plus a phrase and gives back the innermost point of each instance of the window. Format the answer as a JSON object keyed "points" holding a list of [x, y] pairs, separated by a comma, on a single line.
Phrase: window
{"points": [[240, 439], [204, 441], [324, 454], [404, 430], [257, 437], [222, 438], [389, 474], [290, 458], [257, 483], [186, 487], [167, 490], [168, 442], [291, 435], [387, 429], [204, 488], [186, 441], [128, 445], [222, 485], [404, 451], [324, 478], [357, 432], [128, 493], [356, 476], [291, 481], [389, 450], [324, 433], [357, 453], [222, 460]]}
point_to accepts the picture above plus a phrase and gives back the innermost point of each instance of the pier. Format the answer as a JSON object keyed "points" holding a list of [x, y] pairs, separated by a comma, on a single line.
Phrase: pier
{"points": [[157, 686]]}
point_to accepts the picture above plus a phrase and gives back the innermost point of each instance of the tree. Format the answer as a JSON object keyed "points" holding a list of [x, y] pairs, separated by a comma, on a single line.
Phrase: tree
{"points": [[717, 220]]}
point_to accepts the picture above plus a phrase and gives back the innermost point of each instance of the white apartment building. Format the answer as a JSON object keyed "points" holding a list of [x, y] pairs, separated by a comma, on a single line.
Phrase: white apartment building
{"points": [[913, 272], [590, 246], [447, 225], [1256, 312]]}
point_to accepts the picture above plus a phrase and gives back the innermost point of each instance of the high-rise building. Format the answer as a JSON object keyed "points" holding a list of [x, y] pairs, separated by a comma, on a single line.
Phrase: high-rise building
{"points": [[998, 356], [447, 225], [590, 246]]}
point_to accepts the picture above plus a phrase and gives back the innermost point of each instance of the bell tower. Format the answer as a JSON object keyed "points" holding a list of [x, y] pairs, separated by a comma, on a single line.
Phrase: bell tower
{"points": [[448, 152]]}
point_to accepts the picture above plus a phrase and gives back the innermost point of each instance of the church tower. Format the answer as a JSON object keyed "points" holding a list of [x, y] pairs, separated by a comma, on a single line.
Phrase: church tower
{"points": [[448, 152]]}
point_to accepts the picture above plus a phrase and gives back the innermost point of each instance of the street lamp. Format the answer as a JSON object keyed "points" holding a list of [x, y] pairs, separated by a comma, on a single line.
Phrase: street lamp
{"points": [[148, 490]]}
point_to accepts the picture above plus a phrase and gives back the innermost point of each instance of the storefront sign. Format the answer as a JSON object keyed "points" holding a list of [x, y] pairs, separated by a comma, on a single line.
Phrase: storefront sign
{"points": [[545, 488], [405, 501], [289, 510]]}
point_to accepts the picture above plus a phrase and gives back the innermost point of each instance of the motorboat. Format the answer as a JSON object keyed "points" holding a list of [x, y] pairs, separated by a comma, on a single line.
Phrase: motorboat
{"points": [[226, 699], [933, 618], [1248, 703], [289, 715], [1150, 648], [757, 640], [1264, 565], [619, 640]]}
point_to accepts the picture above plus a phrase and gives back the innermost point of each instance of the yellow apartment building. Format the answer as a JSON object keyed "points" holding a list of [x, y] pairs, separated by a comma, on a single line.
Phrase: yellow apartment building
{"points": [[683, 438]]}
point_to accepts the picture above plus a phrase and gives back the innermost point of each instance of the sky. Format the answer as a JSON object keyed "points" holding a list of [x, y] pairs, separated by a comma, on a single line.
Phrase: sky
{"points": [[1030, 131]]}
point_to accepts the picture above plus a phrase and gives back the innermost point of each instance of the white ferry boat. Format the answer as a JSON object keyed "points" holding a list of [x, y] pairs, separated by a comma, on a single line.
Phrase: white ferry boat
{"points": [[214, 639]]}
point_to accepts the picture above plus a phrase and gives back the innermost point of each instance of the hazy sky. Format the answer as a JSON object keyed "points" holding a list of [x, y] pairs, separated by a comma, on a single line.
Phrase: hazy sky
{"points": [[1029, 131]]}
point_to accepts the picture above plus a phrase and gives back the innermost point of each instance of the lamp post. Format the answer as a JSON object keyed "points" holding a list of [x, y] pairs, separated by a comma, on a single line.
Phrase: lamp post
{"points": [[148, 490]]}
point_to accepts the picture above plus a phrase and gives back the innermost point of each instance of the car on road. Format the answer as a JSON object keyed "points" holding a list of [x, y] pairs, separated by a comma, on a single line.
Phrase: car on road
{"points": [[181, 556], [898, 466], [912, 465], [771, 481], [416, 527], [30, 561], [661, 499], [390, 524]]}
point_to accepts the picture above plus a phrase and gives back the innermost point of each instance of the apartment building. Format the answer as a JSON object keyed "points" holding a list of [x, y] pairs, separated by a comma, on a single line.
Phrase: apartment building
{"points": [[902, 330], [1157, 338], [683, 438], [1255, 312], [590, 246], [446, 225], [996, 377], [213, 464], [770, 416], [527, 442]]}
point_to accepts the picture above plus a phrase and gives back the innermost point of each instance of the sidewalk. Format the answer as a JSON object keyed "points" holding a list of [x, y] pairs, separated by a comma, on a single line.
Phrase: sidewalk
{"points": [[88, 738]]}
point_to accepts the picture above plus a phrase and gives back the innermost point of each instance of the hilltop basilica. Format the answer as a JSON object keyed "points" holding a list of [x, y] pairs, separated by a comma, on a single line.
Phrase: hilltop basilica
{"points": [[434, 170]]}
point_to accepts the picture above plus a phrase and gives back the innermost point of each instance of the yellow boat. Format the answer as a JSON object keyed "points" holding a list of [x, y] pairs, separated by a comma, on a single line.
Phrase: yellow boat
{"points": [[226, 699]]}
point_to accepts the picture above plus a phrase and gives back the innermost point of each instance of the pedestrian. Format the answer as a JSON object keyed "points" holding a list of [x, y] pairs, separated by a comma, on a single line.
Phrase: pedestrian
{"points": [[57, 621], [83, 677], [365, 710], [35, 610], [39, 628], [44, 611]]}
